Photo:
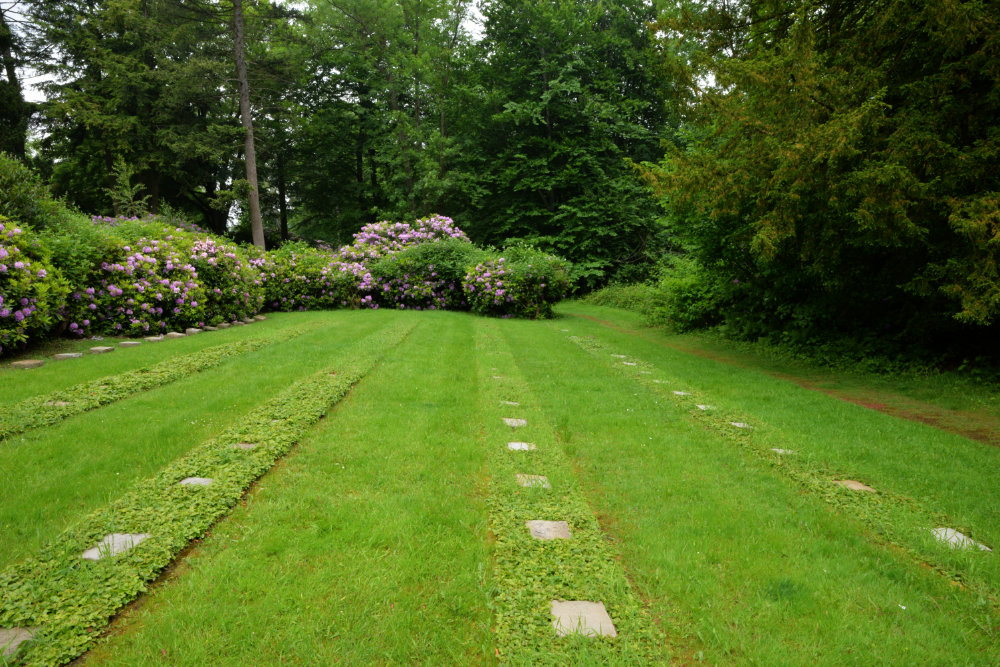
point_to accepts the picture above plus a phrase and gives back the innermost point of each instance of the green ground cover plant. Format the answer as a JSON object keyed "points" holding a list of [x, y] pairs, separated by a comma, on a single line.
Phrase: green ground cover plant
{"points": [[70, 600]]}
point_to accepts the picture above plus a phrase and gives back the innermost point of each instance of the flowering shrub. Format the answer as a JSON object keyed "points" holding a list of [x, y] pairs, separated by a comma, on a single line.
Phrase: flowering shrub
{"points": [[31, 290], [297, 277], [378, 239], [523, 283], [427, 276], [233, 283]]}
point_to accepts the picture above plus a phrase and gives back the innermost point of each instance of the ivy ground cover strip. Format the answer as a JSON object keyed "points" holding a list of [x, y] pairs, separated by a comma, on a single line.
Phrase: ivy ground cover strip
{"points": [[367, 545], [908, 522], [50, 408], [738, 564], [51, 477], [69, 600], [531, 573]]}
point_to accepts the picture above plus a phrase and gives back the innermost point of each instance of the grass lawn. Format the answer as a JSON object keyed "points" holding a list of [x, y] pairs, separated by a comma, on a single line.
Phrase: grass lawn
{"points": [[393, 531]]}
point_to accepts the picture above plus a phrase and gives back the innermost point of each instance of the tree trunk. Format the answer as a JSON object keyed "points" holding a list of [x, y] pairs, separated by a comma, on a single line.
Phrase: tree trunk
{"points": [[282, 201], [256, 224]]}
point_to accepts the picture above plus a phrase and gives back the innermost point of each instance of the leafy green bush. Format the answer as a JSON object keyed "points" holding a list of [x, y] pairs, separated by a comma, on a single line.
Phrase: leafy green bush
{"points": [[427, 276], [299, 277], [32, 291], [25, 199], [524, 282]]}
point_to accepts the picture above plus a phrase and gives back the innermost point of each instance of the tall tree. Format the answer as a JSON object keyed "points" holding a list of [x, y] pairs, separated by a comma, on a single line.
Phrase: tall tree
{"points": [[249, 149], [14, 110]]}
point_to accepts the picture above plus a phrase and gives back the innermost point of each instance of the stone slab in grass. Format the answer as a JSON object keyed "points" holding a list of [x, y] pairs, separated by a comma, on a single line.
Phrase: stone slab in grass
{"points": [[57, 404], [130, 343], [520, 446], [582, 617], [245, 445], [247, 320], [12, 638], [548, 530], [704, 407], [173, 334], [210, 328], [260, 318], [778, 450], [114, 544], [224, 325], [533, 481], [515, 423], [237, 323], [620, 356], [682, 393], [854, 485], [739, 424], [63, 356], [958, 540], [629, 363], [197, 481], [101, 349], [153, 339], [28, 363], [514, 403], [190, 331]]}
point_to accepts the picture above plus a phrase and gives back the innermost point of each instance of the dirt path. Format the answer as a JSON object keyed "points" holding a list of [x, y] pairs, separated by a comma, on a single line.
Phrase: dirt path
{"points": [[972, 425]]}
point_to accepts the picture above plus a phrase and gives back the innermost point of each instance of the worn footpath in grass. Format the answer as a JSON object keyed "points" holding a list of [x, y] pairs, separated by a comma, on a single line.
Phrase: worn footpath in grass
{"points": [[531, 573], [17, 384], [738, 564], [366, 546], [68, 600], [49, 477], [943, 475]]}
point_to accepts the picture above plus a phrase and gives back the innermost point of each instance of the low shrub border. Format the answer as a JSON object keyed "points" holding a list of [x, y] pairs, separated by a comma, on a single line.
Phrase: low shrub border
{"points": [[70, 600], [530, 573], [53, 407]]}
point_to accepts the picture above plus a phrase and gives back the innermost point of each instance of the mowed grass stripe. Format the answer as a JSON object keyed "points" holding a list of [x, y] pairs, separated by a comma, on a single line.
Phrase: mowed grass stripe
{"points": [[531, 573], [905, 521], [70, 600], [739, 565], [954, 475], [367, 545], [17, 385], [50, 408], [52, 476]]}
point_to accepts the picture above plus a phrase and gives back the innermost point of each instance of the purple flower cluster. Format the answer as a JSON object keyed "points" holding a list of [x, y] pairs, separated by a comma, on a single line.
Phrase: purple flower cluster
{"points": [[526, 287], [31, 290], [379, 239], [233, 284]]}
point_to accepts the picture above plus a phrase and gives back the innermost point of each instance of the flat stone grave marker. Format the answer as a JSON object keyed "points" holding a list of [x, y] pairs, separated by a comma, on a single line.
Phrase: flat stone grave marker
{"points": [[101, 349], [514, 423], [520, 446], [682, 393], [114, 544], [247, 320], [740, 424], [957, 540], [245, 445], [130, 343], [629, 363], [260, 318], [12, 638], [210, 328], [190, 331], [782, 451], [620, 356], [63, 356], [704, 407], [549, 530], [514, 403], [582, 617], [659, 381], [854, 485], [237, 323], [197, 481], [153, 339], [224, 325], [173, 334], [497, 377], [28, 363], [533, 481], [566, 330], [57, 404]]}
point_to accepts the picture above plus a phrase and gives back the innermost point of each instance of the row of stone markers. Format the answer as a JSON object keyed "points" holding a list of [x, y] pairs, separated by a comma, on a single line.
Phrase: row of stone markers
{"points": [[562, 595], [26, 364], [54, 605], [50, 408], [881, 510]]}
